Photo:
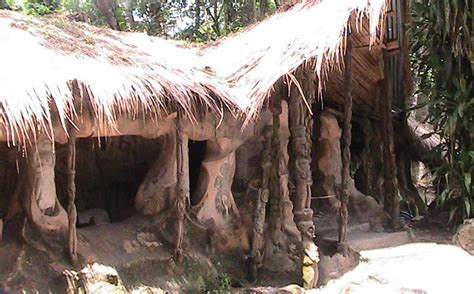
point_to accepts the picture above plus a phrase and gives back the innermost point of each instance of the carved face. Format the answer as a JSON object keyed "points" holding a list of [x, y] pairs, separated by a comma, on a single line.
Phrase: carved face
{"points": [[301, 147], [307, 229]]}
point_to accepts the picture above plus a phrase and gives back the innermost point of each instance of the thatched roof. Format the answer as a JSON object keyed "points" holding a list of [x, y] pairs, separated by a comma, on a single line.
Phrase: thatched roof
{"points": [[134, 74]]}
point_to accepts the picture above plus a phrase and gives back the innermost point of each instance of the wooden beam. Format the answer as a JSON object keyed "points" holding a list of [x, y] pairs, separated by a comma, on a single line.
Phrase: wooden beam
{"points": [[346, 142]]}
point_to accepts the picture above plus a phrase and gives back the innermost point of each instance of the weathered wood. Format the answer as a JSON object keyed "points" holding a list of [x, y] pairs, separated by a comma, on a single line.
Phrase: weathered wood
{"points": [[346, 142], [391, 203], [300, 163], [71, 191], [256, 254], [182, 170], [275, 214], [367, 156]]}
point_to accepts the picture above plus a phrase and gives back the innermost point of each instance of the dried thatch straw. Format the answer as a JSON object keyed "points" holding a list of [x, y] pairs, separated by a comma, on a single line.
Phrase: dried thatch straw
{"points": [[253, 61], [132, 73]]}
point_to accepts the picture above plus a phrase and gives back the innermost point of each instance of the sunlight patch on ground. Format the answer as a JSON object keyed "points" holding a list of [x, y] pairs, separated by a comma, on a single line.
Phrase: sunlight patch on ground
{"points": [[412, 268]]}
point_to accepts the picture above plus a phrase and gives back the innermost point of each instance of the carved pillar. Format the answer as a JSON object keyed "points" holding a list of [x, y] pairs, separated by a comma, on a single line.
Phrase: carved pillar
{"points": [[367, 161], [275, 201], [346, 143], [71, 191], [300, 162], [391, 203], [258, 240], [286, 206], [157, 192], [216, 208], [182, 189], [43, 209]]}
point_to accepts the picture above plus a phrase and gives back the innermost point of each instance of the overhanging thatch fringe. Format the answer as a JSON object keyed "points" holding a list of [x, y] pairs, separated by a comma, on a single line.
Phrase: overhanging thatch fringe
{"points": [[135, 74]]}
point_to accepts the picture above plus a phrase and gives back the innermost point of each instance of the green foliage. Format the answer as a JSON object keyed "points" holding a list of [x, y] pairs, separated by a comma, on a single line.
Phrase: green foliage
{"points": [[35, 8], [198, 20], [222, 284], [441, 62]]}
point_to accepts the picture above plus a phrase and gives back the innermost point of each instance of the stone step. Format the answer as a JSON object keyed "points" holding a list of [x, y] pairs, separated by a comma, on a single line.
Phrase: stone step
{"points": [[371, 240]]}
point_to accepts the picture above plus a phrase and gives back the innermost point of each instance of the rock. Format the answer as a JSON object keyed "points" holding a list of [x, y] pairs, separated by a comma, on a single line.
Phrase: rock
{"points": [[464, 236], [147, 240], [94, 279], [129, 246], [148, 290], [333, 267]]}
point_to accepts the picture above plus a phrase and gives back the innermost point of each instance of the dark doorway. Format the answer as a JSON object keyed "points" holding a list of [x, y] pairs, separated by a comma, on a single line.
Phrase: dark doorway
{"points": [[108, 174], [197, 151]]}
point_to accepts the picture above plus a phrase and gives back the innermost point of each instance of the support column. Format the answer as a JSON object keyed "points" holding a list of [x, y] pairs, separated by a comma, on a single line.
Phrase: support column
{"points": [[367, 161], [275, 201], [345, 145], [300, 163], [182, 189], [258, 238], [45, 213], [71, 191], [392, 205]]}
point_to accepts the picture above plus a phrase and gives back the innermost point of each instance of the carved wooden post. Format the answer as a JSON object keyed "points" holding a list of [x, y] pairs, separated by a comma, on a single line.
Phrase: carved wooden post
{"points": [[276, 217], [71, 191], [300, 162], [367, 155], [346, 143], [392, 205], [256, 254], [182, 189]]}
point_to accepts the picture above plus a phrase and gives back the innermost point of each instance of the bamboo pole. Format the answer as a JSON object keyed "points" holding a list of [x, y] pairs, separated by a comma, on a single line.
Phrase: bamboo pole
{"points": [[182, 195], [71, 190], [346, 143]]}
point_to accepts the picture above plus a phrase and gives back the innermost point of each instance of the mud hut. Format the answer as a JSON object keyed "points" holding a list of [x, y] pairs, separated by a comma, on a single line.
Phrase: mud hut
{"points": [[170, 139]]}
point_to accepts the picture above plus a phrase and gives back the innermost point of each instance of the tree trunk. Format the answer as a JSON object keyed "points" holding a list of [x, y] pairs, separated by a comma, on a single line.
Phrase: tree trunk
{"points": [[263, 9], [107, 9], [4, 4], [229, 12], [250, 12], [197, 14]]}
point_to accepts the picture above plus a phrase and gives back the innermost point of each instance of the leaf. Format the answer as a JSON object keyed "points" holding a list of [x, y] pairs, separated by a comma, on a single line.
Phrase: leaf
{"points": [[467, 181], [451, 214], [467, 206]]}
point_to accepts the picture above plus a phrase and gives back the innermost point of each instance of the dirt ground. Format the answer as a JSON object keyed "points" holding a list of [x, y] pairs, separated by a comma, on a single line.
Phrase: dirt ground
{"points": [[27, 268]]}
